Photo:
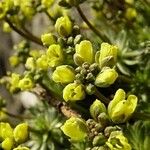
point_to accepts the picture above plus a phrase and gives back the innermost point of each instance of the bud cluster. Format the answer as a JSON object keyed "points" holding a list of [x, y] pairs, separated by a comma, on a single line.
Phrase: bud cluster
{"points": [[12, 139]]}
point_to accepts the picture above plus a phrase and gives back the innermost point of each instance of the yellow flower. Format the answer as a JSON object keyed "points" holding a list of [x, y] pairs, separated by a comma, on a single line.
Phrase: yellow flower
{"points": [[63, 74], [26, 83], [106, 77], [119, 109], [5, 131], [108, 55], [48, 39], [14, 60], [30, 63], [75, 128], [131, 13], [7, 144], [54, 55], [14, 81], [73, 92], [21, 148], [42, 62], [117, 141], [21, 133], [84, 52], [63, 26], [47, 3]]}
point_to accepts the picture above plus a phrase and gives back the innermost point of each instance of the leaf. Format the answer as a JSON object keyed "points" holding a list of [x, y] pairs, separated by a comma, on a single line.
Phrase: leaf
{"points": [[138, 135]]}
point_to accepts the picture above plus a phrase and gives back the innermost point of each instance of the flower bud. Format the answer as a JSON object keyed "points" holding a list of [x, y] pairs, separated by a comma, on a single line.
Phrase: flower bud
{"points": [[55, 55], [84, 52], [108, 55], [21, 133], [5, 131], [110, 129], [96, 108], [119, 109], [7, 144], [47, 3], [14, 81], [64, 74], [131, 13], [75, 128], [74, 92], [118, 141], [14, 61], [99, 140], [90, 89], [106, 78], [48, 39], [63, 26], [42, 62], [30, 63], [26, 83], [6, 27]]}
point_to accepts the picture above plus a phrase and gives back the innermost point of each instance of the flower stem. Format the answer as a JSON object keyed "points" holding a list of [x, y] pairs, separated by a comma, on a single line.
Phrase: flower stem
{"points": [[141, 116], [125, 79], [26, 35], [97, 32], [101, 96], [49, 16]]}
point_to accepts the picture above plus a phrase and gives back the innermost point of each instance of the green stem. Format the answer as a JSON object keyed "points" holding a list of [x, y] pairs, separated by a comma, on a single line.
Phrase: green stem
{"points": [[50, 17], [25, 35], [124, 78], [97, 32], [141, 116], [101, 97]]}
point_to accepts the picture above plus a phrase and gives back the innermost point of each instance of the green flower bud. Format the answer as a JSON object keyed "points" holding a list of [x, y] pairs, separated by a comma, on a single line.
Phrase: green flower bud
{"points": [[21, 148], [84, 52], [47, 3], [14, 61], [21, 133], [106, 78], [26, 83], [30, 63], [75, 128], [7, 144], [96, 108], [99, 140], [90, 89], [119, 109], [63, 26], [108, 55], [55, 55], [63, 74], [5, 131], [42, 62], [110, 129], [118, 141], [73, 92], [130, 13], [48, 39]]}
